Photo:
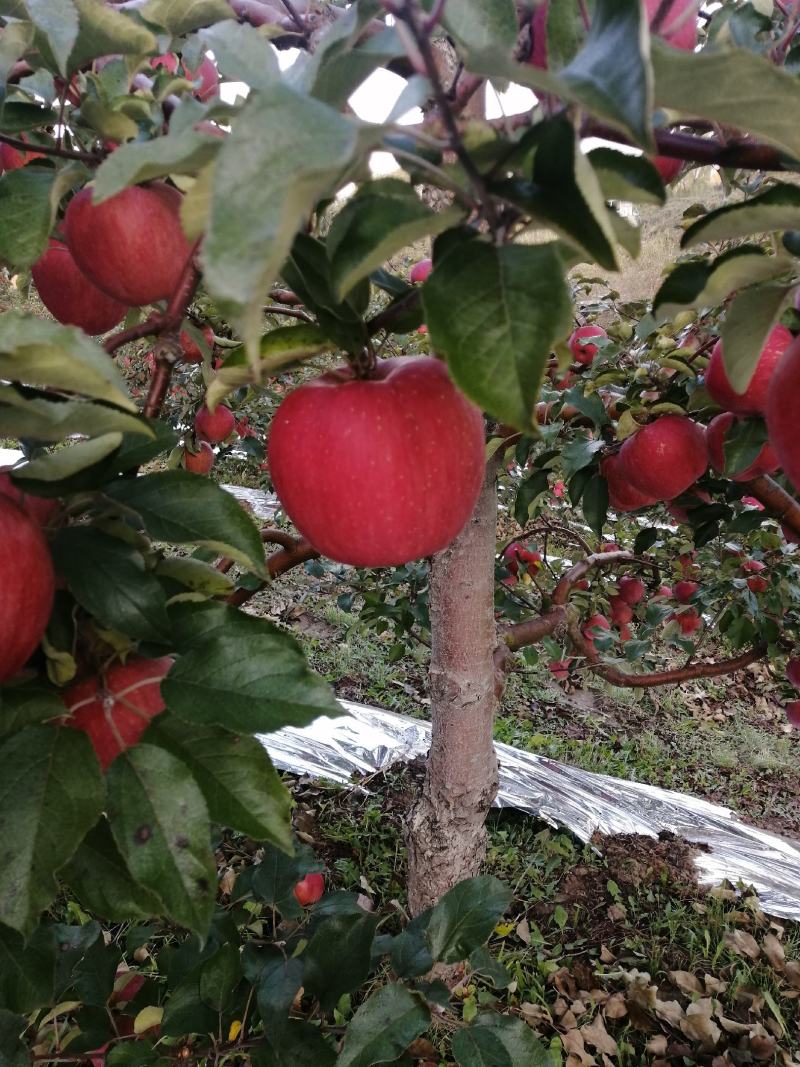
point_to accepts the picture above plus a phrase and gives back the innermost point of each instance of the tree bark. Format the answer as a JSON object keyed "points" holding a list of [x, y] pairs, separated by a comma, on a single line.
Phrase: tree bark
{"points": [[445, 830]]}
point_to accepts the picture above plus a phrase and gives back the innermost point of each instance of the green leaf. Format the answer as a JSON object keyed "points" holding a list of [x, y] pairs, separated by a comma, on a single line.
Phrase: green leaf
{"points": [[477, 25], [776, 209], [51, 356], [182, 153], [703, 284], [219, 977], [286, 151], [25, 215], [108, 578], [195, 575], [562, 36], [274, 878], [383, 1027], [410, 954], [83, 456], [57, 21], [594, 501], [626, 177], [513, 305], [19, 116], [297, 1044], [731, 87], [244, 674], [742, 445], [26, 975], [381, 219], [242, 54], [183, 16], [185, 508], [750, 317], [496, 1040], [160, 822], [51, 794], [337, 959], [307, 272], [529, 488], [104, 31], [13, 1051], [22, 705], [241, 787], [98, 876], [278, 984], [50, 420], [465, 916], [578, 454]]}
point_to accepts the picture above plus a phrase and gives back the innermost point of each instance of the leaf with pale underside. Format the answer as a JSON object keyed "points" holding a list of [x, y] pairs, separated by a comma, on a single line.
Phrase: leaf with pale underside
{"points": [[750, 318]]}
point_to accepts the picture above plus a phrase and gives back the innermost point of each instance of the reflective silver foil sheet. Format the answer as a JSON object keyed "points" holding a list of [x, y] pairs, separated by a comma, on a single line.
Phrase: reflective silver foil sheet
{"points": [[368, 739]]}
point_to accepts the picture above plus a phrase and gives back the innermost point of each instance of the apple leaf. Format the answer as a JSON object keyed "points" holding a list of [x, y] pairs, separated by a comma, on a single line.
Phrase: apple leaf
{"points": [[242, 54], [380, 220], [22, 705], [181, 153], [776, 209], [235, 775], [51, 794], [160, 823], [108, 578], [76, 459], [183, 16], [337, 959], [465, 916], [18, 117], [495, 1038], [52, 356], [625, 177], [49, 420], [57, 22], [25, 215], [105, 31], [285, 152], [703, 284], [513, 306], [384, 1026], [26, 979], [100, 879], [241, 673], [298, 1044], [476, 24], [185, 508], [732, 87], [16, 39], [750, 317]]}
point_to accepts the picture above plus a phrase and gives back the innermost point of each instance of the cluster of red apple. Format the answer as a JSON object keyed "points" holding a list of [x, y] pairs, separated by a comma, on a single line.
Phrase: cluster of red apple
{"points": [[210, 428], [517, 557]]}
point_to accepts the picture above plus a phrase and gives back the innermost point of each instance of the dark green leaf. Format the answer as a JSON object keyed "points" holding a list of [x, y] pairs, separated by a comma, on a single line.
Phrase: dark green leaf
{"points": [[51, 794], [645, 540], [274, 878], [595, 503], [57, 22], [26, 973], [278, 984], [477, 25], [750, 317], [31, 702], [529, 488], [183, 16], [337, 959], [410, 954], [483, 962], [185, 1013], [13, 1052], [160, 823], [496, 1040], [776, 209], [465, 916], [579, 453], [383, 1027], [626, 177], [242, 54], [106, 31], [25, 215], [219, 977], [297, 1044], [743, 443]]}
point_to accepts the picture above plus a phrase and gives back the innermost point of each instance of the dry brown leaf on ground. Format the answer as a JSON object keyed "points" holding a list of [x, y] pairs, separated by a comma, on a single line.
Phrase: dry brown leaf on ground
{"points": [[773, 950], [669, 1011], [699, 1025], [596, 1035], [687, 982], [574, 1045], [615, 1007], [657, 1045], [741, 942]]}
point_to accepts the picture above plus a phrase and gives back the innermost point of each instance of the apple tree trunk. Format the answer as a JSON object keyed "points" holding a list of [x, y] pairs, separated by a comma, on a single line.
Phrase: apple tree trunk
{"points": [[445, 830]]}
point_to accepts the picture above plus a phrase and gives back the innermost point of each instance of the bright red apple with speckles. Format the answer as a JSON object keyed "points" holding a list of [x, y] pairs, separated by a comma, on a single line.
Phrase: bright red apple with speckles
{"points": [[132, 246], [581, 345], [665, 457], [379, 471], [27, 584], [683, 591], [70, 296], [309, 890], [753, 401], [688, 620], [115, 709], [216, 425]]}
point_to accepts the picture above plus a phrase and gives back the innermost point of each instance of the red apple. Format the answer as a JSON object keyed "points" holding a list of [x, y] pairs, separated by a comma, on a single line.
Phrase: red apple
{"points": [[684, 591], [688, 620], [753, 401], [27, 583], [420, 271], [625, 632], [538, 55], [793, 713], [667, 168], [782, 403], [580, 346], [718, 429], [132, 245], [681, 513], [593, 627], [39, 509], [631, 589], [753, 566], [191, 349], [216, 425], [793, 672], [664, 591], [757, 584], [621, 611], [206, 73], [115, 709], [201, 461], [677, 25], [377, 472], [12, 158], [610, 546], [309, 889], [559, 668], [621, 494], [582, 583], [665, 457], [70, 297]]}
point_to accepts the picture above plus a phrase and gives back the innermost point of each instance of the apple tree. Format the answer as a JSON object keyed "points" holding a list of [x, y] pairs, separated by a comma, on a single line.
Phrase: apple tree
{"points": [[143, 202]]}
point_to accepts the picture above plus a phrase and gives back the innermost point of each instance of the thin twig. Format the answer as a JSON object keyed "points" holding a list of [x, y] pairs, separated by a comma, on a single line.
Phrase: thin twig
{"points": [[52, 150]]}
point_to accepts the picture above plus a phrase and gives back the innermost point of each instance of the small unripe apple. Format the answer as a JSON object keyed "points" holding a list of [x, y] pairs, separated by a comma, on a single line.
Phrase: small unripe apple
{"points": [[718, 429], [753, 401], [132, 246], [200, 461], [420, 272], [621, 611], [683, 591], [27, 585], [581, 346], [379, 471], [309, 890], [631, 589], [621, 494], [665, 457], [115, 709], [667, 168], [70, 296], [216, 425], [191, 349]]}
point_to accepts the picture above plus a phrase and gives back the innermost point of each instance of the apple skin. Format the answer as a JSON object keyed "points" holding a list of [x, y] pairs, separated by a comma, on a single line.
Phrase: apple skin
{"points": [[201, 461], [793, 672], [631, 589], [621, 611], [39, 509], [681, 513], [667, 167], [688, 620], [214, 426], [132, 245], [793, 713], [559, 668], [27, 584], [683, 591], [420, 272], [70, 297], [381, 471], [766, 462], [782, 404], [592, 627], [753, 401], [191, 349], [206, 73], [115, 710], [579, 345], [664, 591], [309, 890], [621, 494], [12, 158], [665, 457], [676, 30]]}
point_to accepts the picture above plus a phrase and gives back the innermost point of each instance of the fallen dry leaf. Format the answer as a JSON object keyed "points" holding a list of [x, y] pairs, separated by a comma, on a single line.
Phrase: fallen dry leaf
{"points": [[657, 1045], [698, 1024], [687, 982], [615, 1007], [596, 1035], [773, 950], [669, 1011], [741, 942]]}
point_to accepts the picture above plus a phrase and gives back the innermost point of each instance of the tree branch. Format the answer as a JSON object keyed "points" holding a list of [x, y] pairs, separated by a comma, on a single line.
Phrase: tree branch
{"points": [[783, 506], [52, 150], [278, 563], [162, 321]]}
